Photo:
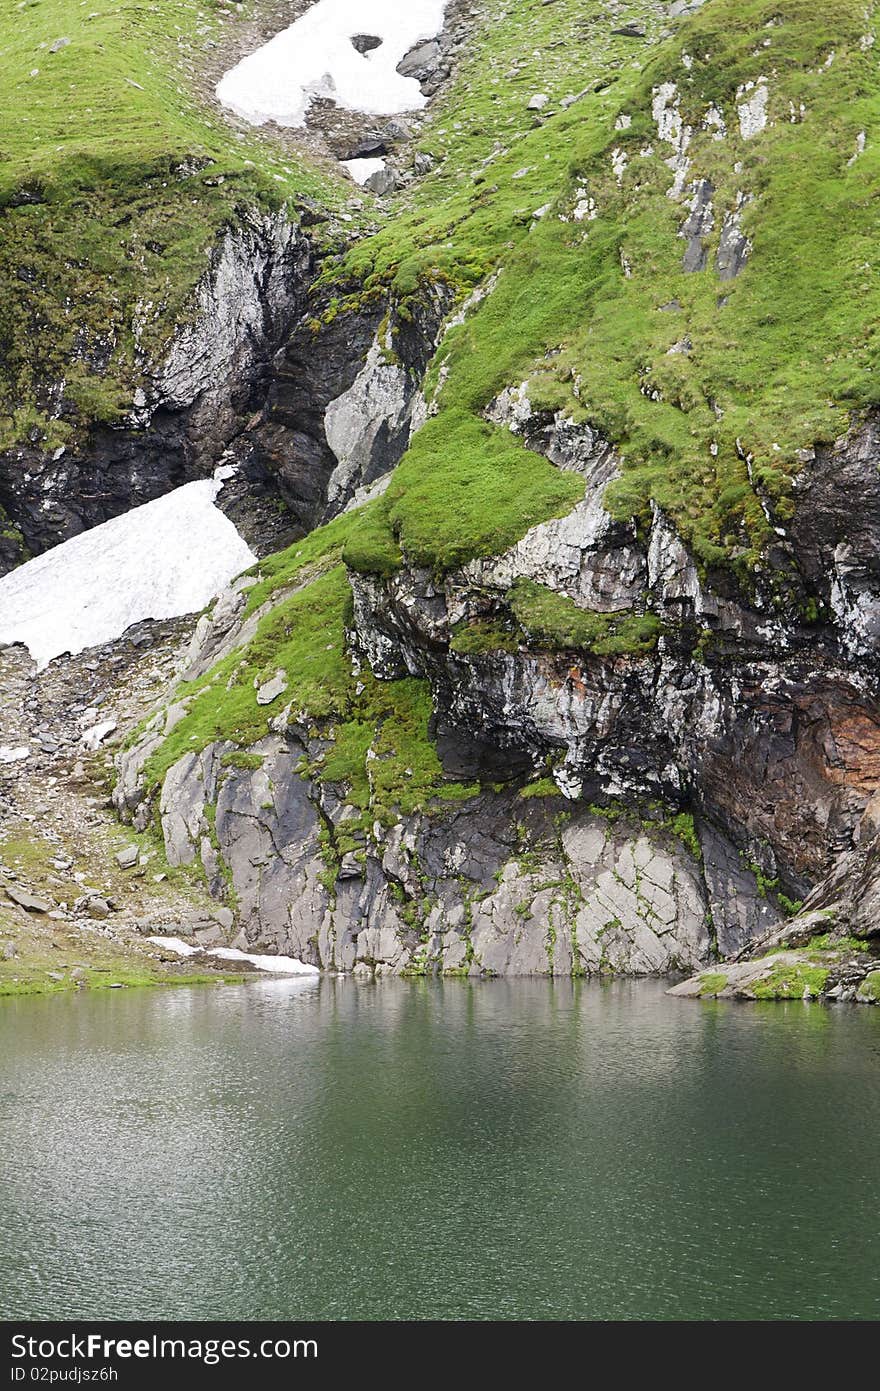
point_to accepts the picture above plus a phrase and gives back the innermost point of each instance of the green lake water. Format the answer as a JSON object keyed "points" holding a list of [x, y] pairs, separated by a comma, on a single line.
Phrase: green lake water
{"points": [[525, 1149]]}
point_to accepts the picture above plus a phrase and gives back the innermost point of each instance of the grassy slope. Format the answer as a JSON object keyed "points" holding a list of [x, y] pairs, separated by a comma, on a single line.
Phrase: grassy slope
{"points": [[777, 367], [114, 184]]}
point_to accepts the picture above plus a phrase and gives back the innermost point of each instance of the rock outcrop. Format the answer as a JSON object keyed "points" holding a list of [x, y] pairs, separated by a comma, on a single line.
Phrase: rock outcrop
{"points": [[745, 720], [190, 405]]}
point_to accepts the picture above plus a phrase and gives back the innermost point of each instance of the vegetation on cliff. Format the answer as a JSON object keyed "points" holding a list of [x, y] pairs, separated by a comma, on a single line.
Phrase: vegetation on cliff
{"points": [[116, 180], [745, 138]]}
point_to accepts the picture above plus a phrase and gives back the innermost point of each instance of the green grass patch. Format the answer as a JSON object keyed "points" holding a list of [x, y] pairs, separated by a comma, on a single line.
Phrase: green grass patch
{"points": [[544, 787], [115, 184], [712, 983], [481, 635], [556, 621], [791, 981], [464, 489], [828, 942], [588, 311]]}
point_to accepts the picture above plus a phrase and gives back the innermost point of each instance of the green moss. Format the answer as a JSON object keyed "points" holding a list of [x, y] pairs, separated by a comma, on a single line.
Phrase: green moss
{"points": [[553, 619], [869, 988], [683, 827], [790, 906], [712, 983], [828, 942], [244, 761], [791, 982], [483, 635], [544, 787]]}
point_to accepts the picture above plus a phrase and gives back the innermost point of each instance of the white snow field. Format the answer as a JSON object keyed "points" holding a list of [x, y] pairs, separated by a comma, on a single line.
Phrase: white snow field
{"points": [[162, 560], [362, 169], [315, 57], [275, 965]]}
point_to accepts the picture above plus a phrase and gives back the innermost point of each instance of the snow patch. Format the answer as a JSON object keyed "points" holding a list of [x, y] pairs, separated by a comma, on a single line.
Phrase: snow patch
{"points": [[275, 965], [175, 944], [315, 57], [363, 169], [162, 560]]}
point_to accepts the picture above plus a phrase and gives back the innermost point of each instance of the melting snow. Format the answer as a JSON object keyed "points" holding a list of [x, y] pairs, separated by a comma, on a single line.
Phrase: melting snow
{"points": [[161, 560], [175, 944], [315, 57], [275, 965], [363, 169], [278, 965]]}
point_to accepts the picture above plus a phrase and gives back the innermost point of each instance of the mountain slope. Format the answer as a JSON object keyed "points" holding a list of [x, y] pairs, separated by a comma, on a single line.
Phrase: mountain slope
{"points": [[580, 671]]}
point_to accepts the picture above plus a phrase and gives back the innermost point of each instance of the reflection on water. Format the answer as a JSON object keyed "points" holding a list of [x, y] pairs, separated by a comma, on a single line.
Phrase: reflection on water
{"points": [[303, 1148]]}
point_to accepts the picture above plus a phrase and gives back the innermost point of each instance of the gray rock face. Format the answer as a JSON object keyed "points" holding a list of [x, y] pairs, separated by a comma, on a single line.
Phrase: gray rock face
{"points": [[367, 427], [836, 534], [189, 406], [697, 226], [733, 247], [341, 402], [768, 696], [495, 887], [757, 713]]}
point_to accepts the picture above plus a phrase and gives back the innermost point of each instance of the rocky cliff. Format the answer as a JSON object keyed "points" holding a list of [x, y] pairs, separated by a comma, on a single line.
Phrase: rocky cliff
{"points": [[574, 667]]}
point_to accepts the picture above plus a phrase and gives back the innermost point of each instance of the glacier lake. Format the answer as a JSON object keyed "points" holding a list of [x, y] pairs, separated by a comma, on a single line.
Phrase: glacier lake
{"points": [[414, 1149]]}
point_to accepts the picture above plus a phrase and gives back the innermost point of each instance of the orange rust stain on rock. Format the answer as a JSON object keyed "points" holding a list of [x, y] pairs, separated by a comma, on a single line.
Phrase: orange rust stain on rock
{"points": [[853, 752]]}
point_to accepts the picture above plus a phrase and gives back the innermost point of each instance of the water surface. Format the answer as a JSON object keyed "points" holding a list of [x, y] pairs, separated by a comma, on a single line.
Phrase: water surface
{"points": [[332, 1149]]}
